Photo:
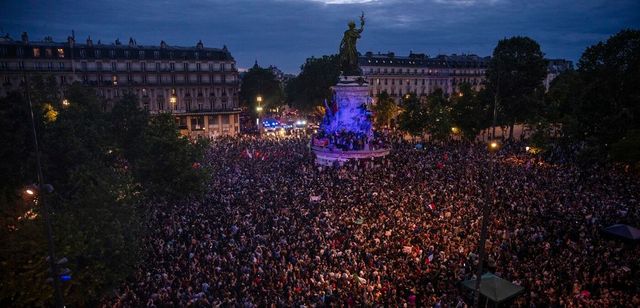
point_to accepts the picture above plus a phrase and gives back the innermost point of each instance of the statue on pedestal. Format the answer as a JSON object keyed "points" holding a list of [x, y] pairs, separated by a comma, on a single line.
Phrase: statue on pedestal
{"points": [[348, 52]]}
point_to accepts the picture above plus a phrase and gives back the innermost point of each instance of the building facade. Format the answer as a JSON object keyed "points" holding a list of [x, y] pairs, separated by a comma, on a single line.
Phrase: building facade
{"points": [[420, 74], [198, 85]]}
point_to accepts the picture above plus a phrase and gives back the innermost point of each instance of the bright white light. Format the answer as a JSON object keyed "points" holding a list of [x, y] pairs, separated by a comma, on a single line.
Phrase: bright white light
{"points": [[29, 191]]}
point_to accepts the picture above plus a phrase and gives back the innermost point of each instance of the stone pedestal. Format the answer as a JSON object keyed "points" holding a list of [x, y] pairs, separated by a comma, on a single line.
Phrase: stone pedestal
{"points": [[347, 113]]}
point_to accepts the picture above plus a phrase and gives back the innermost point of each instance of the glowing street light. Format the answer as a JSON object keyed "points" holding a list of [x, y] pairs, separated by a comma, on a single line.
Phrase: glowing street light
{"points": [[527, 149], [493, 146], [173, 99], [65, 102], [30, 191], [455, 130], [259, 110]]}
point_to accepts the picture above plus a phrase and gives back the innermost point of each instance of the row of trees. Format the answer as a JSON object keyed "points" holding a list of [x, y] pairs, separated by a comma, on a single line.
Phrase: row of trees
{"points": [[595, 108], [106, 166]]}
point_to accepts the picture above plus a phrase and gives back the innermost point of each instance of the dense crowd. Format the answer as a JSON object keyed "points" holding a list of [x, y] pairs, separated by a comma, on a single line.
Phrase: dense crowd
{"points": [[345, 140], [398, 231]]}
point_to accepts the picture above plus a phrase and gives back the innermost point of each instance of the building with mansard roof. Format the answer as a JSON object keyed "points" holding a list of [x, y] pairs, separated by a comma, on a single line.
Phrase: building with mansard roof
{"points": [[421, 74], [198, 85]]}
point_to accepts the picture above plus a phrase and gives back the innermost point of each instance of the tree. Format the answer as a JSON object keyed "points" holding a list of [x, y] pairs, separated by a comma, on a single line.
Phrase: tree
{"points": [[438, 121], [467, 112], [104, 167], [608, 103], [261, 82], [168, 164], [385, 109], [128, 123], [16, 161], [313, 85], [95, 216], [515, 76], [413, 119]]}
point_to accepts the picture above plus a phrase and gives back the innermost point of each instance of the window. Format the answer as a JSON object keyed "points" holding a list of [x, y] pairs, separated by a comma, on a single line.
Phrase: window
{"points": [[210, 67], [49, 53], [186, 66], [113, 66], [172, 66], [60, 53], [198, 67], [197, 123], [126, 54], [156, 54], [113, 53], [141, 54], [83, 66], [83, 54], [20, 52], [114, 80], [62, 79], [21, 64], [99, 66], [225, 119], [36, 52], [160, 102], [97, 53], [128, 66], [143, 66]]}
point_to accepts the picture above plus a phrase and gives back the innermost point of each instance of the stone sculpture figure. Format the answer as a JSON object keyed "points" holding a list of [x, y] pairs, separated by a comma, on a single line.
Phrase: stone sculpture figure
{"points": [[348, 51]]}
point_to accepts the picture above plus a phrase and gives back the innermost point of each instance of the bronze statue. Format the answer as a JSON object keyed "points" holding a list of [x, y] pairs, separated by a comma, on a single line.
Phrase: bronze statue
{"points": [[348, 51]]}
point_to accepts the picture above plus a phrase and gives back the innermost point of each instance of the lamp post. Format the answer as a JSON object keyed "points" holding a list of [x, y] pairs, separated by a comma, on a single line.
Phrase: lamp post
{"points": [[42, 189], [259, 110], [486, 211]]}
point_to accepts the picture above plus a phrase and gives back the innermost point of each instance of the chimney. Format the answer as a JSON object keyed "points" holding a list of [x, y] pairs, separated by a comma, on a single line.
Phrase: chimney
{"points": [[132, 43], [200, 45], [25, 38], [71, 40], [89, 41], [163, 44]]}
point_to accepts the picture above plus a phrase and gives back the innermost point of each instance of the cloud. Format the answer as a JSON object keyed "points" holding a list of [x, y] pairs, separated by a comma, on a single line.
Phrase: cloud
{"points": [[285, 32]]}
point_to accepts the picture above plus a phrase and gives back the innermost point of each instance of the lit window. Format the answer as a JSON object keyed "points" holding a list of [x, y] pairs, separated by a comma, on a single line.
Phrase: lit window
{"points": [[60, 53], [114, 80], [36, 52]]}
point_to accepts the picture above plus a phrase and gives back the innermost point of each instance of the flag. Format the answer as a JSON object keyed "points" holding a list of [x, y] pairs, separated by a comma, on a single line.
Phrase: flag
{"points": [[428, 260], [432, 206]]}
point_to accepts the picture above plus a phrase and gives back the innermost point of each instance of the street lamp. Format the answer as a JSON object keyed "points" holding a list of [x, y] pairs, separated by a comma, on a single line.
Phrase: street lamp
{"points": [[57, 292], [494, 146], [65, 103], [259, 110]]}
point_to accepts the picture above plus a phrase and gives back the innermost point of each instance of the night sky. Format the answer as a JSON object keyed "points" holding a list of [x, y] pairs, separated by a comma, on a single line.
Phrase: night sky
{"points": [[285, 32]]}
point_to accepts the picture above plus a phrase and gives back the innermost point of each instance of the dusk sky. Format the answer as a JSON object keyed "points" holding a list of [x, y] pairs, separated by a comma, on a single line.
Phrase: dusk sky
{"points": [[285, 32]]}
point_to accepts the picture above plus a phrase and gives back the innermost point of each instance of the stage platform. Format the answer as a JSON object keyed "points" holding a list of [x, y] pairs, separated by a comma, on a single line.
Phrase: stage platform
{"points": [[327, 157]]}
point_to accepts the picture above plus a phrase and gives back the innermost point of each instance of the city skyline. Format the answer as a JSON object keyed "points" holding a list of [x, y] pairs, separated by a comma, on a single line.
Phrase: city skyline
{"points": [[284, 33]]}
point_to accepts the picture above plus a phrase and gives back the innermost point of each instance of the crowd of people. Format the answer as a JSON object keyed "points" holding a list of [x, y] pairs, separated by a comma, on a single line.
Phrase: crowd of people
{"points": [[344, 140], [401, 231]]}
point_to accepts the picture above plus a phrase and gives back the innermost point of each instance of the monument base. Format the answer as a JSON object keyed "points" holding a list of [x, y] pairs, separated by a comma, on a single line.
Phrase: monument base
{"points": [[329, 157]]}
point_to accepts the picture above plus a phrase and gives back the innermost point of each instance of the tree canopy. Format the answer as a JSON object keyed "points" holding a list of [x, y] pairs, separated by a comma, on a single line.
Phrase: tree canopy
{"points": [[313, 85], [515, 74], [106, 168], [262, 82]]}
